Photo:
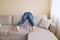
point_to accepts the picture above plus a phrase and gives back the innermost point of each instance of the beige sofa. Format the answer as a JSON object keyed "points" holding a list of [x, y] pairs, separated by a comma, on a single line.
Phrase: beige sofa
{"points": [[8, 32]]}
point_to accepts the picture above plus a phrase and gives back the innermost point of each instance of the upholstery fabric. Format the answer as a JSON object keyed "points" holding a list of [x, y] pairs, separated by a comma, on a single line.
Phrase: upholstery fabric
{"points": [[38, 19], [8, 29], [53, 28], [4, 20], [8, 32], [45, 23], [41, 34], [16, 19]]}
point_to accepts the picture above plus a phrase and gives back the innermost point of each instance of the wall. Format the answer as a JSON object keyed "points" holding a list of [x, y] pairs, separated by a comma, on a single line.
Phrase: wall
{"points": [[14, 7]]}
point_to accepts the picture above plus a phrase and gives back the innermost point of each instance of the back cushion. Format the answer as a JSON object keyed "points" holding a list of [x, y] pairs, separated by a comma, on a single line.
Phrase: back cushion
{"points": [[38, 19], [17, 18], [5, 19]]}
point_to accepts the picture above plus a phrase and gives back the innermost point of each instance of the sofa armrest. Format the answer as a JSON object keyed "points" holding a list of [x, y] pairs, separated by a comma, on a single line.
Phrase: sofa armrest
{"points": [[53, 28]]}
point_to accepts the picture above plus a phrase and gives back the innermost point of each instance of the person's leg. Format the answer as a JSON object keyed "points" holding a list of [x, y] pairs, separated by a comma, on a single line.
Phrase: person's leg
{"points": [[24, 17], [31, 20]]}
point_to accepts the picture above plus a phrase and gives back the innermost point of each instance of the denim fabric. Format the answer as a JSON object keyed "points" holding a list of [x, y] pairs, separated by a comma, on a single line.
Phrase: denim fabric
{"points": [[29, 16]]}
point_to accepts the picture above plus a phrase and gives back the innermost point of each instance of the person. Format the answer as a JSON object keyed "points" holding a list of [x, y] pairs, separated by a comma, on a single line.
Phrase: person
{"points": [[29, 16]]}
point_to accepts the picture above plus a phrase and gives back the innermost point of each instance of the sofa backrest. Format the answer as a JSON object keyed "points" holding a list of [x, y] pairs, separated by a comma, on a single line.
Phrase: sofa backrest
{"points": [[17, 18], [14, 20], [5, 20], [38, 19]]}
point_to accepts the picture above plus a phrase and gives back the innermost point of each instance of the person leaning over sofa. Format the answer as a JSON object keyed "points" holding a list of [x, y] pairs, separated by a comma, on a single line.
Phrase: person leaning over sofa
{"points": [[29, 16]]}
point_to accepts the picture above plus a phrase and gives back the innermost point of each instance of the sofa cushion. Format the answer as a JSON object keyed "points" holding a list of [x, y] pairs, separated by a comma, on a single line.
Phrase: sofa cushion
{"points": [[18, 38], [4, 29], [17, 18], [7, 27], [38, 19], [9, 30], [45, 23], [18, 35], [3, 32], [15, 34], [4, 20], [41, 34]]}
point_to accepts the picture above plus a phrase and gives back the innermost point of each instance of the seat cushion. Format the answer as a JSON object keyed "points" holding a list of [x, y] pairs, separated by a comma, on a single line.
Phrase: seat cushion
{"points": [[14, 35], [41, 34], [11, 30], [3, 32]]}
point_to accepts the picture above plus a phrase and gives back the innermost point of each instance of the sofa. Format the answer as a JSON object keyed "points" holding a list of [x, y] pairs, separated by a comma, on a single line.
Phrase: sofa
{"points": [[8, 31]]}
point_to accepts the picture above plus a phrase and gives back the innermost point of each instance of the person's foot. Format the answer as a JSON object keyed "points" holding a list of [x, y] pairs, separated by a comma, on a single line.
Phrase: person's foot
{"points": [[33, 29], [17, 29]]}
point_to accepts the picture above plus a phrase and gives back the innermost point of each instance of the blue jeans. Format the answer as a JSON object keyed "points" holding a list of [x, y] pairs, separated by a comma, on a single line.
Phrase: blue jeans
{"points": [[29, 16]]}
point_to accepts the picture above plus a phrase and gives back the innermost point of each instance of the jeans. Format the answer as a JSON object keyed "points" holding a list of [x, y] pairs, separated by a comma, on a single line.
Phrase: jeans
{"points": [[29, 16]]}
